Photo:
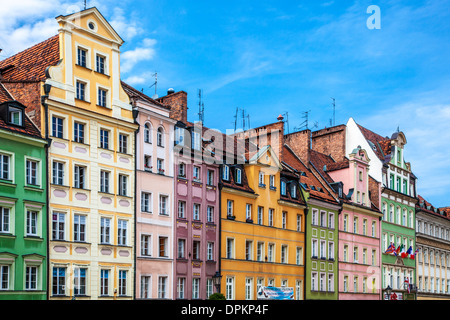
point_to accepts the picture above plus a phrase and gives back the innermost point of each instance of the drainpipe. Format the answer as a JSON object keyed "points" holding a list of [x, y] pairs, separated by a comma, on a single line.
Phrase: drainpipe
{"points": [[47, 88], [220, 228], [306, 260], [135, 115]]}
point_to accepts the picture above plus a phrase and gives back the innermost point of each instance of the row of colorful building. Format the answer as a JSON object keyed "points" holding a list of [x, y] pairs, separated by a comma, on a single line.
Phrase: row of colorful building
{"points": [[106, 193]]}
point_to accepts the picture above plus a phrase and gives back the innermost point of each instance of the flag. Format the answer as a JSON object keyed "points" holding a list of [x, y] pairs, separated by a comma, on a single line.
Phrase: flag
{"points": [[409, 252], [407, 283], [413, 256], [390, 249], [403, 252], [397, 251]]}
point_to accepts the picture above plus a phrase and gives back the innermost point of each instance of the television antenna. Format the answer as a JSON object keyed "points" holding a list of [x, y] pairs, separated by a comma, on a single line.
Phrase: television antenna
{"points": [[155, 84], [201, 107]]}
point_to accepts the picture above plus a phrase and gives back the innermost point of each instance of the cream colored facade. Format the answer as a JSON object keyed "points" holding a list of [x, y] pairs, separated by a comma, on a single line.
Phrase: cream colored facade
{"points": [[91, 164]]}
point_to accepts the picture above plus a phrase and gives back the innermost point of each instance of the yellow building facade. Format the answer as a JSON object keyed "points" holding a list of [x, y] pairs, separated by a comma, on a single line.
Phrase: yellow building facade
{"points": [[262, 223], [91, 164]]}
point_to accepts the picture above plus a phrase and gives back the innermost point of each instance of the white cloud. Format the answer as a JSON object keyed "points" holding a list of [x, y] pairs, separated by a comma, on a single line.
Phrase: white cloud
{"points": [[131, 58]]}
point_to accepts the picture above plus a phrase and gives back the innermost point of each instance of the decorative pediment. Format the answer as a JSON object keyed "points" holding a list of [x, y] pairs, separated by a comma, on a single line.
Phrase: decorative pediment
{"points": [[266, 156], [92, 22]]}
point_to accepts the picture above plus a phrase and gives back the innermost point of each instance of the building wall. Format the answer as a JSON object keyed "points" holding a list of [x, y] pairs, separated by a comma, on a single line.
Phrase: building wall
{"points": [[154, 267], [242, 275], [315, 265], [18, 249], [69, 256], [188, 267]]}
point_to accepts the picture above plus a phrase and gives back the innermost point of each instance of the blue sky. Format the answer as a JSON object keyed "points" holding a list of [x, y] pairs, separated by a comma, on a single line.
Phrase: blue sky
{"points": [[277, 57]]}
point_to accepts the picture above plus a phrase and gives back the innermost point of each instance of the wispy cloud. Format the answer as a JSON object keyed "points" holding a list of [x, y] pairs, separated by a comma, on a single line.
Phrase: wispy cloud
{"points": [[145, 51]]}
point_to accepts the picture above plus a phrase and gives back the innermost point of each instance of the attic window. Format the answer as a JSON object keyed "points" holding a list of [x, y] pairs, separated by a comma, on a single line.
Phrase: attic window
{"points": [[15, 116], [91, 25]]}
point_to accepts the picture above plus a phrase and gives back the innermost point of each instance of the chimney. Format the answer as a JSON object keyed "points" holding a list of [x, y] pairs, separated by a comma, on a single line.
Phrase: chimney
{"points": [[178, 104], [300, 143]]}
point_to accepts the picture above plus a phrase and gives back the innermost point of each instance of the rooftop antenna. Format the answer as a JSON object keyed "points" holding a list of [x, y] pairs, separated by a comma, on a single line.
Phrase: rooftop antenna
{"points": [[286, 114], [304, 123], [155, 84], [201, 107], [235, 119], [84, 4], [334, 111]]}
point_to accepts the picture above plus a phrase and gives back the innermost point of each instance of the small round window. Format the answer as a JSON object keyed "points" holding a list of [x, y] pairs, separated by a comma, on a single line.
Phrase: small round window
{"points": [[91, 26]]}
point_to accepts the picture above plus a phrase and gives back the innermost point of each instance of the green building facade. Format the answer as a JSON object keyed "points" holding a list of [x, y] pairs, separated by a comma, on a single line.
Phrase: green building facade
{"points": [[398, 200], [23, 209]]}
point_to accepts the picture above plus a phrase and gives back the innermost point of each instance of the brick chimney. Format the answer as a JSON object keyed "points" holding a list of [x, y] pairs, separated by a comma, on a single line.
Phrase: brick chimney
{"points": [[178, 104], [300, 143]]}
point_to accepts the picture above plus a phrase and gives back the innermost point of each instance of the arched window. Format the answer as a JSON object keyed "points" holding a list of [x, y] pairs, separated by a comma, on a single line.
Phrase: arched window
{"points": [[147, 135], [159, 137]]}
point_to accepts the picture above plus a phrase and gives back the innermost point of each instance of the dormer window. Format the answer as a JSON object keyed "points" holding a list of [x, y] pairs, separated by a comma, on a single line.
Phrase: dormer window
{"points": [[226, 173], [179, 136], [283, 188], [238, 175], [15, 116], [293, 190]]}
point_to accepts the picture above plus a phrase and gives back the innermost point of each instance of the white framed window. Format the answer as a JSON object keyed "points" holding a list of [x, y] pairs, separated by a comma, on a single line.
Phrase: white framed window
{"points": [[314, 284], [80, 174], [58, 225], [163, 246], [271, 252], [81, 93], [31, 278], [248, 288], [162, 287], [5, 220], [314, 217], [123, 143], [105, 230], [160, 137], [58, 281], [196, 173], [299, 222], [260, 215], [284, 219], [226, 172], [210, 214], [122, 232], [32, 223], [271, 217], [104, 181], [261, 179], [123, 185], [196, 211], [299, 256], [314, 248], [248, 211], [182, 170], [102, 97], [58, 173], [78, 132], [145, 287], [210, 251], [182, 209], [79, 228], [260, 251], [123, 280], [210, 178], [6, 166], [104, 282], [146, 245], [79, 281], [195, 288], [181, 287], [230, 248], [229, 288], [32, 172], [83, 57], [163, 205], [146, 202], [104, 139], [284, 254], [248, 250], [238, 175], [230, 208]]}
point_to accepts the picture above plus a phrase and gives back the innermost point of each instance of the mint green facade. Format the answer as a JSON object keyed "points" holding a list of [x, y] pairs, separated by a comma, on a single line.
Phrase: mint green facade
{"points": [[321, 267], [398, 199], [23, 210]]}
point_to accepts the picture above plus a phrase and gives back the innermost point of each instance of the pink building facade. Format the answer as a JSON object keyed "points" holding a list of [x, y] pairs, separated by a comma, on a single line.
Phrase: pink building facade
{"points": [[154, 197], [197, 206], [359, 229]]}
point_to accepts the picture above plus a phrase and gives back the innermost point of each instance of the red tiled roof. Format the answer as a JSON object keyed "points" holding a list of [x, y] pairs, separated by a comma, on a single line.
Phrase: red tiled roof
{"points": [[425, 206], [29, 128], [134, 93], [30, 64], [313, 185], [382, 144]]}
